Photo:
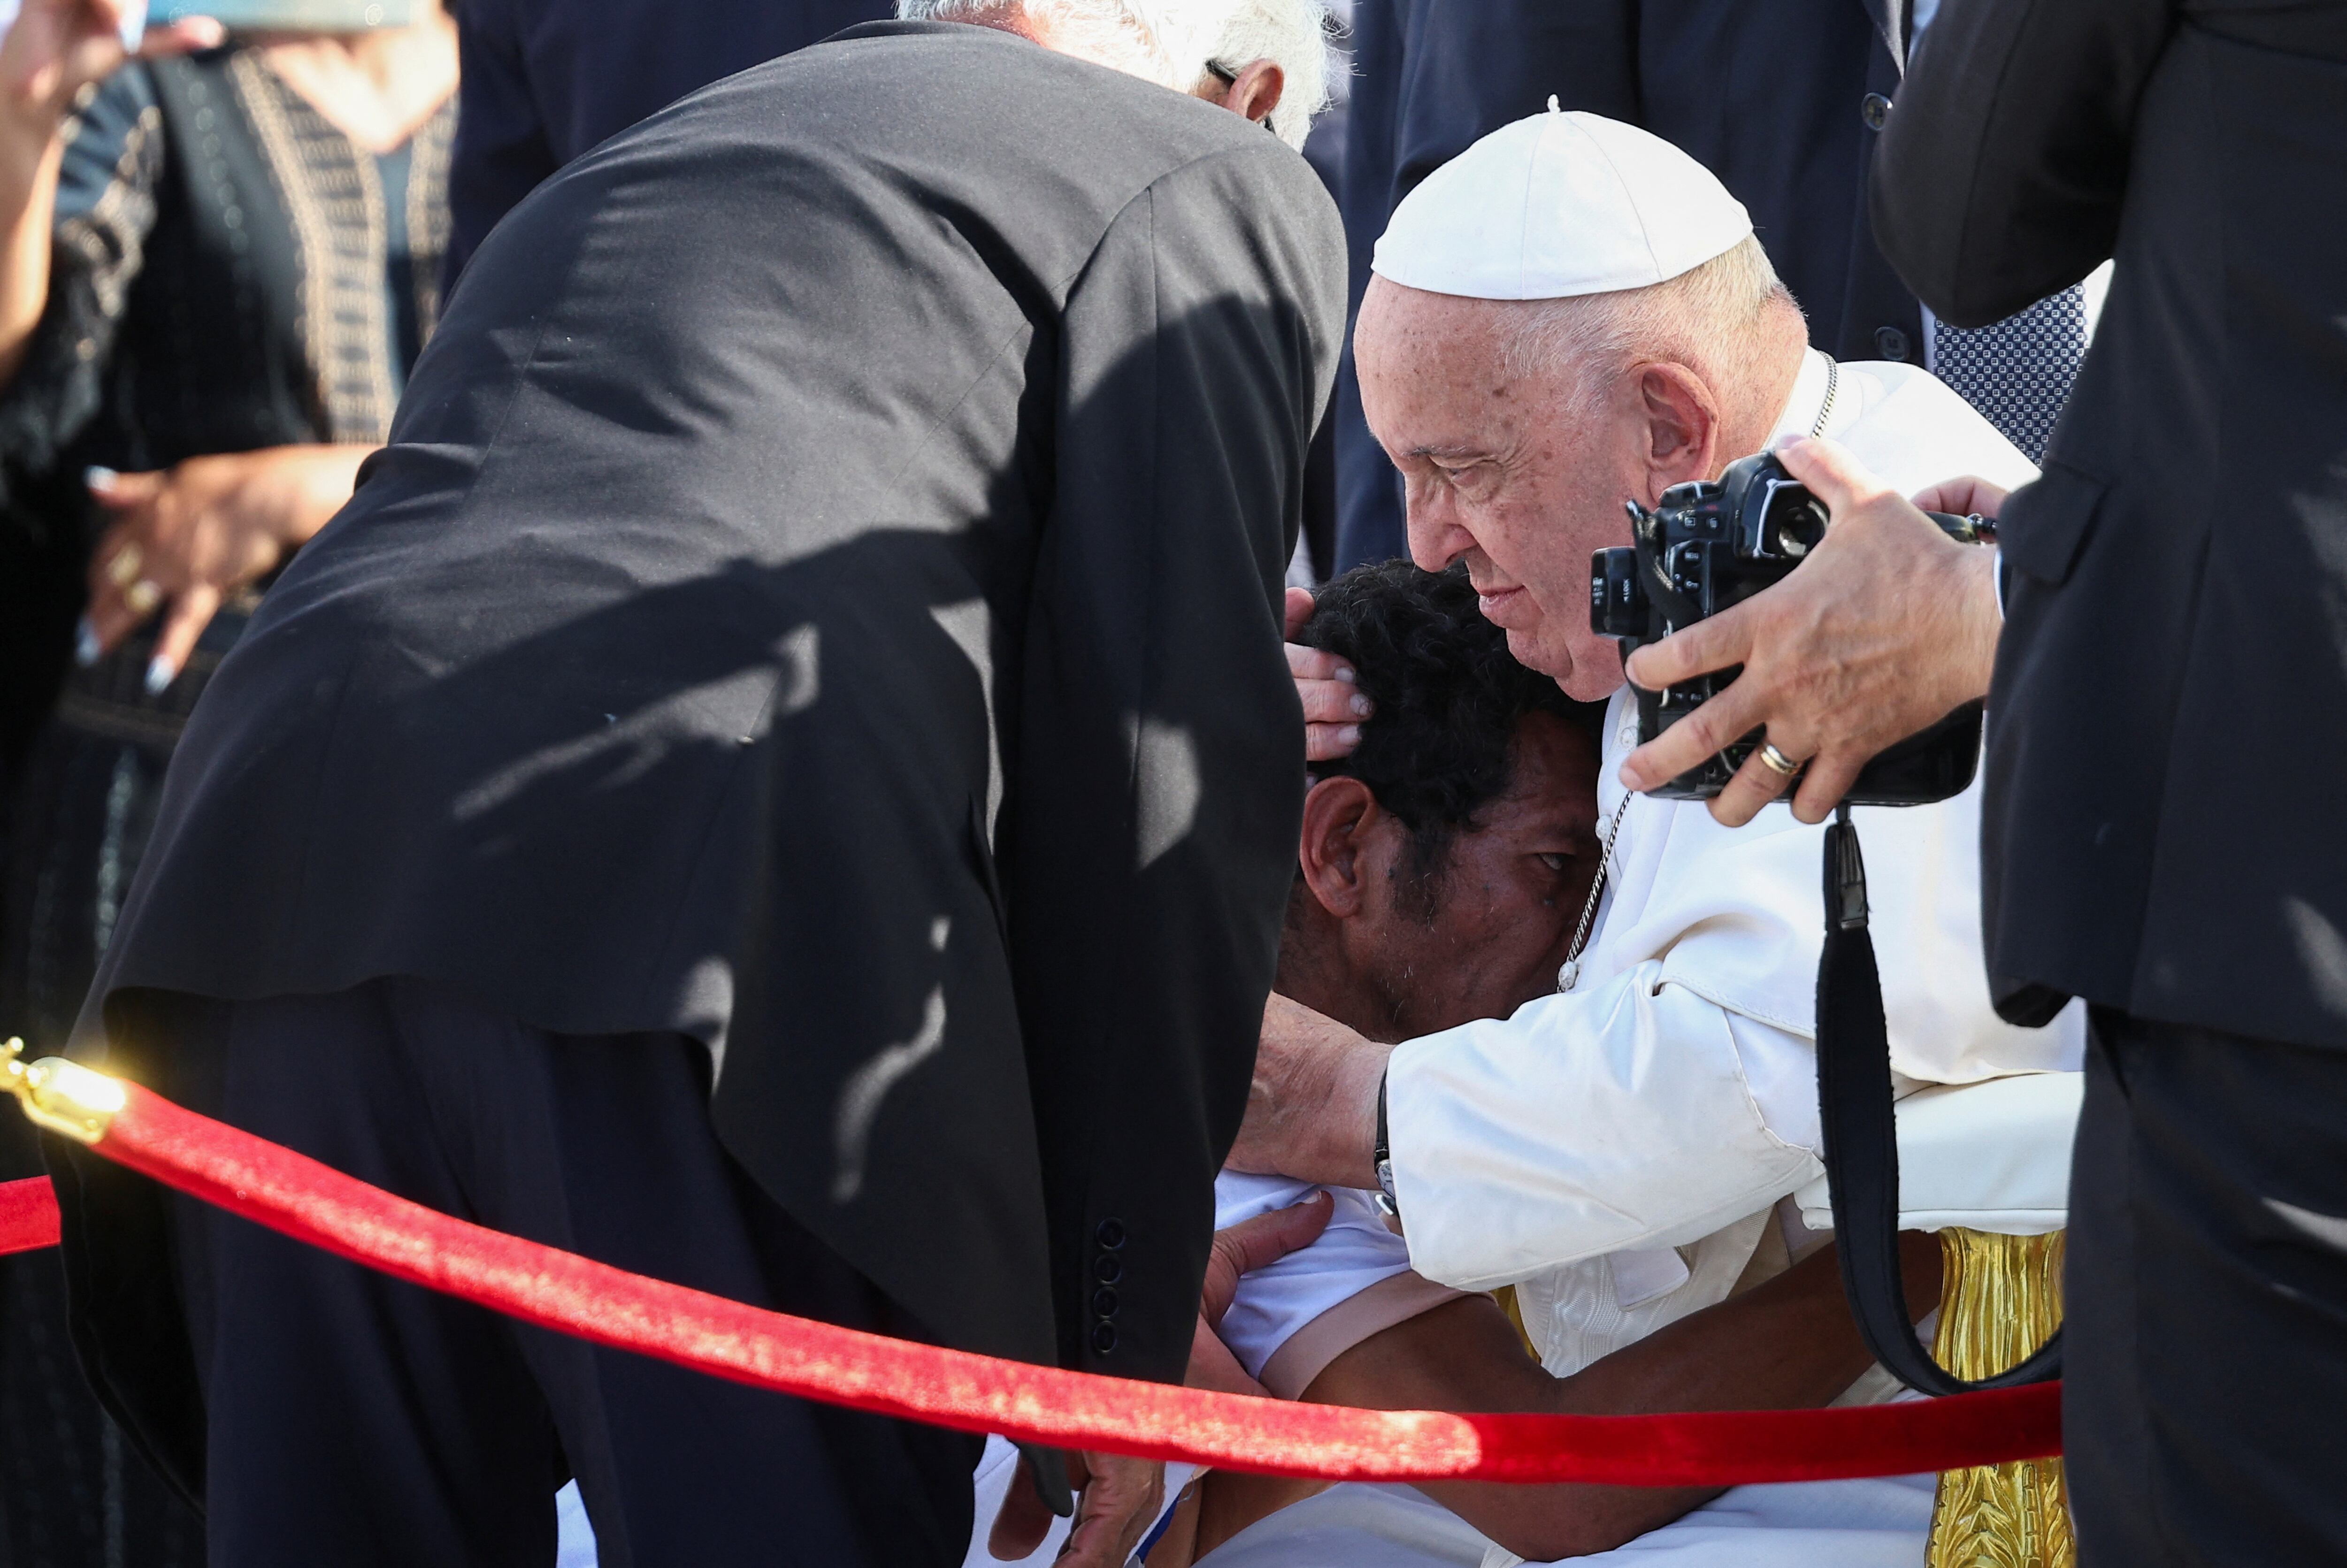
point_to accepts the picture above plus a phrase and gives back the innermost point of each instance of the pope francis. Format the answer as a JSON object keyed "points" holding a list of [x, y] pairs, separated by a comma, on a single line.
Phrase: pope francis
{"points": [[1570, 314]]}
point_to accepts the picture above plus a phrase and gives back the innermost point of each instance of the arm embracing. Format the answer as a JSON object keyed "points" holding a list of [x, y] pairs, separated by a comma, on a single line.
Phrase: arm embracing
{"points": [[1607, 1118]]}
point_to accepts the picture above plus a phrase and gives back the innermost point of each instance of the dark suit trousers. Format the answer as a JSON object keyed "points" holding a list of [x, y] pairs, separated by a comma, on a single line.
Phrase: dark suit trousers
{"points": [[356, 1420], [2207, 1337]]}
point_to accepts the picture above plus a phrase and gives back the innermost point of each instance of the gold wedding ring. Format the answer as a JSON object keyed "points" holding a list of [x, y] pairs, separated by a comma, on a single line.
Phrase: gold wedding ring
{"points": [[1776, 762], [124, 568], [142, 597]]}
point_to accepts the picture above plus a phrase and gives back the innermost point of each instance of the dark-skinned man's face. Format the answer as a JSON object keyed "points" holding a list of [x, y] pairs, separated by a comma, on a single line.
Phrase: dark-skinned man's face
{"points": [[1397, 954]]}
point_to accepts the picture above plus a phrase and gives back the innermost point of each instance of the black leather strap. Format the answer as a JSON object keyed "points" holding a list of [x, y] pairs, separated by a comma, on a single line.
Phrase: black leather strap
{"points": [[1861, 1140]]}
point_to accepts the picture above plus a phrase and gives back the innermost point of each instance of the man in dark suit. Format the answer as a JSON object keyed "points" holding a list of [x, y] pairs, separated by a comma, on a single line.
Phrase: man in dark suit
{"points": [[544, 80], [2168, 720], [782, 779]]}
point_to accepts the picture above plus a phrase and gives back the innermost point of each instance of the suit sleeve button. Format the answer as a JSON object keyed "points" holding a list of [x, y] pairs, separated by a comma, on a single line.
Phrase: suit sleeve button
{"points": [[1110, 1234], [1104, 1302], [1875, 108], [1890, 344], [1104, 1338], [1107, 1270]]}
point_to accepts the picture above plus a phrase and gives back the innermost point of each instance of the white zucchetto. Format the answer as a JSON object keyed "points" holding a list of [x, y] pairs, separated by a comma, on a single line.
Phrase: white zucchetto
{"points": [[1558, 206]]}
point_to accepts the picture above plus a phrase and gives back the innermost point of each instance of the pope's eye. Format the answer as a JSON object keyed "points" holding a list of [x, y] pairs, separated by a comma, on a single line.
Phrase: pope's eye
{"points": [[1556, 863]]}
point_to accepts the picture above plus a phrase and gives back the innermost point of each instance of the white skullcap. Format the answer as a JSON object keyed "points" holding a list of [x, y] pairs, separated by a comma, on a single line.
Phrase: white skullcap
{"points": [[1558, 206]]}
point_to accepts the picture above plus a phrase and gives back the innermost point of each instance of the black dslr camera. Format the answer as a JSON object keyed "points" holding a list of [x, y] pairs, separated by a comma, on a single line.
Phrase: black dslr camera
{"points": [[1709, 545]]}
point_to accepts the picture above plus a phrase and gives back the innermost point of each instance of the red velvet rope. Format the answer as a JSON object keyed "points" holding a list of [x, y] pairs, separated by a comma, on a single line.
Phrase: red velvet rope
{"points": [[554, 1289], [28, 1215]]}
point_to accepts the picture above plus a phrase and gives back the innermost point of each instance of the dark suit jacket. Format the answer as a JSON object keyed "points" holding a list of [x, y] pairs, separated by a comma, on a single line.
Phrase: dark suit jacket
{"points": [[2167, 733], [544, 80], [822, 595], [1767, 94]]}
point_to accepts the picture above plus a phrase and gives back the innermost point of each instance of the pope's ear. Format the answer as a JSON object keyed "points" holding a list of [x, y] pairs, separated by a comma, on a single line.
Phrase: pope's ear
{"points": [[1680, 419], [1337, 814]]}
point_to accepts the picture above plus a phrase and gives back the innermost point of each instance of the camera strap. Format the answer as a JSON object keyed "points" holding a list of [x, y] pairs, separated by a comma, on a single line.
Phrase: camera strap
{"points": [[1862, 1138]]}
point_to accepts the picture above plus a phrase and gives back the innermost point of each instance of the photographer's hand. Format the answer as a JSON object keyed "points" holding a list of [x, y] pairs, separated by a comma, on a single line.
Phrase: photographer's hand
{"points": [[1886, 629]]}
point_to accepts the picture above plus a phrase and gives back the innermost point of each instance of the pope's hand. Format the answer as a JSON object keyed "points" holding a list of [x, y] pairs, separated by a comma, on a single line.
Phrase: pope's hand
{"points": [[1889, 627], [1334, 706], [1312, 1105]]}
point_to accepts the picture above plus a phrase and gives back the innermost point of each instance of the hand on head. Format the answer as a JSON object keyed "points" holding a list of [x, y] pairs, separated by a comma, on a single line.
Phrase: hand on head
{"points": [[1334, 706], [1887, 628]]}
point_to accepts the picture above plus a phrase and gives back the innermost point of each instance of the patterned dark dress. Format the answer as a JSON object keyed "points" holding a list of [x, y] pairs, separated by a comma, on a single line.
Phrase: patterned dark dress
{"points": [[231, 273]]}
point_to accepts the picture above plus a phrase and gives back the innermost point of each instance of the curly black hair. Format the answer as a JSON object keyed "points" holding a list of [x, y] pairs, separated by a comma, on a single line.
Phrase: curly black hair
{"points": [[1448, 697]]}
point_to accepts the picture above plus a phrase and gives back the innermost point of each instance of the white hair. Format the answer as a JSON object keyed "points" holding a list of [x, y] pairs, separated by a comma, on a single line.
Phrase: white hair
{"points": [[1178, 44], [1717, 320]]}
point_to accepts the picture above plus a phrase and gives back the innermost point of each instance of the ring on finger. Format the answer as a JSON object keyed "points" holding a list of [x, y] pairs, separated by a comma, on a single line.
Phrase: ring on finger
{"points": [[1776, 762], [142, 597], [123, 568]]}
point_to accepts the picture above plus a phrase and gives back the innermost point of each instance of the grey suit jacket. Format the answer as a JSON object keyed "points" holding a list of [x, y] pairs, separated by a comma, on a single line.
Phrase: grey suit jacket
{"points": [[822, 595]]}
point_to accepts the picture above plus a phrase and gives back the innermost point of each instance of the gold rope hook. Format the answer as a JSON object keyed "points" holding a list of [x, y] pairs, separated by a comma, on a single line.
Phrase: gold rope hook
{"points": [[60, 1096]]}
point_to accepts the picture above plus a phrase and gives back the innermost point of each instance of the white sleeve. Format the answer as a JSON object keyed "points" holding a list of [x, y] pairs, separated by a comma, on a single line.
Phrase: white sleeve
{"points": [[1618, 1116]]}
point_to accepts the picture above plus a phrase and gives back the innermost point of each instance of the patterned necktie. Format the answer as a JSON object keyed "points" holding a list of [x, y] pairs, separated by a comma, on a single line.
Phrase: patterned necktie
{"points": [[2017, 371]]}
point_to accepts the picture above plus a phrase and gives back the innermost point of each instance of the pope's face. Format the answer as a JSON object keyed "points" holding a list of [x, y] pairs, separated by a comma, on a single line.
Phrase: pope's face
{"points": [[1496, 473]]}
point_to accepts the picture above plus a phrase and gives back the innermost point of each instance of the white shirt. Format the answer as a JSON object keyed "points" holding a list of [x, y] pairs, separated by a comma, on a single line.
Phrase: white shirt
{"points": [[1673, 1092], [1293, 1317]]}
